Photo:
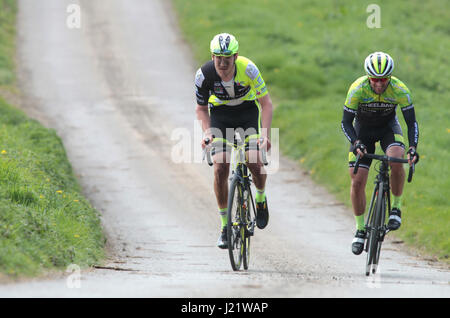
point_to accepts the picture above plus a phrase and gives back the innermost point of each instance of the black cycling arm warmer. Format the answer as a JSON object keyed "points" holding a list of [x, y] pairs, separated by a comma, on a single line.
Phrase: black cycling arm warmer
{"points": [[411, 123], [347, 124]]}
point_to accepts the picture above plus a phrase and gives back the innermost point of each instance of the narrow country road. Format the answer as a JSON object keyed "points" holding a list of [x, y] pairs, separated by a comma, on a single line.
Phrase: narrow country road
{"points": [[119, 91]]}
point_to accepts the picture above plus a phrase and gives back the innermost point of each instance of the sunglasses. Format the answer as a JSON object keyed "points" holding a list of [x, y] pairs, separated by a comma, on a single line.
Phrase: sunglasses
{"points": [[376, 79], [222, 53]]}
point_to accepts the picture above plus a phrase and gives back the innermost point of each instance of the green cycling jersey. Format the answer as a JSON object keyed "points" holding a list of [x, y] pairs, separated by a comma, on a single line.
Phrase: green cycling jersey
{"points": [[373, 110], [248, 84]]}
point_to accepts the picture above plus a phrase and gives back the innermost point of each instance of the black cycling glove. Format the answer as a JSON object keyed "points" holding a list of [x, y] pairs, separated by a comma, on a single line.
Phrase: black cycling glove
{"points": [[413, 153], [359, 146]]}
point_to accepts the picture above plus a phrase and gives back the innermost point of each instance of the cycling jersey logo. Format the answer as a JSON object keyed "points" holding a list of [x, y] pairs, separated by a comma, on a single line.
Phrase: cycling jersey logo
{"points": [[368, 99], [378, 105], [218, 89], [224, 43], [240, 85]]}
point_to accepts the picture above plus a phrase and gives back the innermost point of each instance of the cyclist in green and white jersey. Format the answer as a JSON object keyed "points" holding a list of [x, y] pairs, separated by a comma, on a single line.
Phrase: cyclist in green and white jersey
{"points": [[231, 94], [372, 101]]}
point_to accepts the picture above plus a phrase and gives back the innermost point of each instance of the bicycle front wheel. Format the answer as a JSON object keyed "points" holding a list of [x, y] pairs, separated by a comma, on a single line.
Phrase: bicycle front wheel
{"points": [[374, 246], [248, 207], [235, 228], [381, 217]]}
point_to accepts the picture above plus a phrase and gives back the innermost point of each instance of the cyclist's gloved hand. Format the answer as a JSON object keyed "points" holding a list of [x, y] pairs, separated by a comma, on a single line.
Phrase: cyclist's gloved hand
{"points": [[359, 145], [413, 155]]}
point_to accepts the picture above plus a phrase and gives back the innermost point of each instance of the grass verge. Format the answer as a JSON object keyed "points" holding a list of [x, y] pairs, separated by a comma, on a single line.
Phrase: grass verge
{"points": [[45, 222], [310, 52]]}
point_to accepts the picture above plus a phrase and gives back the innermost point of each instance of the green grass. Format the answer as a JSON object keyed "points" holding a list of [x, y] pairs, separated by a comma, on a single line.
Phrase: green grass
{"points": [[8, 10], [45, 222], [309, 53]]}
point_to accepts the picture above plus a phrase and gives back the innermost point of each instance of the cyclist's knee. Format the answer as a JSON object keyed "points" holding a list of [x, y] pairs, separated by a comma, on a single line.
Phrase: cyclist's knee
{"points": [[221, 157], [253, 157], [395, 151], [396, 168], [358, 185], [359, 181], [221, 170], [255, 167]]}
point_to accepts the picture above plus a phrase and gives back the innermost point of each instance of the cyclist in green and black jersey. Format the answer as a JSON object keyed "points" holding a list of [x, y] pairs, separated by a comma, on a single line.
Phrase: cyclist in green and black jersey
{"points": [[372, 101], [231, 94]]}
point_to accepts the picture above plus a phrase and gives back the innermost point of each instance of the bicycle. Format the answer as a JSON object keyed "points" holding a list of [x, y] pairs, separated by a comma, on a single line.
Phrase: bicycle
{"points": [[375, 225], [241, 211]]}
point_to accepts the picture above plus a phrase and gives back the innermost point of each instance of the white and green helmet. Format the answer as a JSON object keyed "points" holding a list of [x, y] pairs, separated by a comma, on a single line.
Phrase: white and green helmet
{"points": [[379, 64], [224, 44]]}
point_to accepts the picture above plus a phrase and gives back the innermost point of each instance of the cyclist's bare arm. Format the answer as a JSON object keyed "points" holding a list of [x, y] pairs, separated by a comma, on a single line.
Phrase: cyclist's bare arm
{"points": [[203, 117], [266, 119]]}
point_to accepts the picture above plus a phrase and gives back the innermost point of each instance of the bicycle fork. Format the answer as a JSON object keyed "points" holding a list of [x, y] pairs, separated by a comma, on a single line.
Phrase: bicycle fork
{"points": [[381, 230], [246, 199]]}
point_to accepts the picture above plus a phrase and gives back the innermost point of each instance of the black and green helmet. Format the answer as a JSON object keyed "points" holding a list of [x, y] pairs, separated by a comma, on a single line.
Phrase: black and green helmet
{"points": [[224, 44], [379, 64]]}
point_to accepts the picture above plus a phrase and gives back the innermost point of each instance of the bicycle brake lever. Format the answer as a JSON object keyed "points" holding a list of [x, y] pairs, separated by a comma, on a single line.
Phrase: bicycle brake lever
{"points": [[263, 153], [412, 169]]}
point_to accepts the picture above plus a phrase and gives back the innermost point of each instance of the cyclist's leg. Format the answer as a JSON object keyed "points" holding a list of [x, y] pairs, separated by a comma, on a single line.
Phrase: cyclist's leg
{"points": [[358, 198], [221, 160], [393, 145], [251, 123], [255, 162], [221, 172], [359, 180], [221, 168], [357, 190]]}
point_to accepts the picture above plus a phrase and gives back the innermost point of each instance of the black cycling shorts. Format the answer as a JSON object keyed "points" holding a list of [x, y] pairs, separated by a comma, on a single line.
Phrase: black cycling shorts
{"points": [[226, 120], [388, 135]]}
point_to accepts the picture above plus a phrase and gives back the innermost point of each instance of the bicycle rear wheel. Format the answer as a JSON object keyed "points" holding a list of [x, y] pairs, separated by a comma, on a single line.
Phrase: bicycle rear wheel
{"points": [[235, 228]]}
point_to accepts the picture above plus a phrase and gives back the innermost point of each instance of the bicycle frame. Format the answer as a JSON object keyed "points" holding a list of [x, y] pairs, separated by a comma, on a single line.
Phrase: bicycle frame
{"points": [[382, 178], [240, 228], [241, 172], [376, 219]]}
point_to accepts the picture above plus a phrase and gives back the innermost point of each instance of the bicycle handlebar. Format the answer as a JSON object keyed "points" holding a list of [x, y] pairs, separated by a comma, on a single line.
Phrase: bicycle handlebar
{"points": [[207, 153], [385, 159]]}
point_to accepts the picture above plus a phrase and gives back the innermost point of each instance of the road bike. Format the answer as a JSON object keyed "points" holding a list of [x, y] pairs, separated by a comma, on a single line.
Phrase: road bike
{"points": [[380, 204], [241, 213]]}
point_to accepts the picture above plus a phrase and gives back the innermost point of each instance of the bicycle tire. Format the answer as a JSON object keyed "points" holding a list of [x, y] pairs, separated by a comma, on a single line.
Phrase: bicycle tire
{"points": [[380, 224], [374, 222], [234, 224]]}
